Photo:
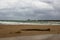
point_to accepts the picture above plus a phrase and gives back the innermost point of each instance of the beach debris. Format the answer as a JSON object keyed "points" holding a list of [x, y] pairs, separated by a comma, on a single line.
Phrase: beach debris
{"points": [[36, 29], [14, 32]]}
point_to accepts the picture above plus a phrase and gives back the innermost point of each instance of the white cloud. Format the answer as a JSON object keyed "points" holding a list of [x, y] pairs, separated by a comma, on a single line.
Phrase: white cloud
{"points": [[7, 3], [41, 5], [24, 3], [14, 3]]}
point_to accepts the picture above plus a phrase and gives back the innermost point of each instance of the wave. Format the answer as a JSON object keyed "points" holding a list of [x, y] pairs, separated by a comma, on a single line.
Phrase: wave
{"points": [[16, 23], [26, 23]]}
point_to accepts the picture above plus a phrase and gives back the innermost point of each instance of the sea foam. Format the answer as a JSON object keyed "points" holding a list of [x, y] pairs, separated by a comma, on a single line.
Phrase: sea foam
{"points": [[26, 23]]}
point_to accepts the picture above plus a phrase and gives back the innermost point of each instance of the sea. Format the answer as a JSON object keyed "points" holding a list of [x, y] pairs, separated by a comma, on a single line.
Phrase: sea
{"points": [[28, 23]]}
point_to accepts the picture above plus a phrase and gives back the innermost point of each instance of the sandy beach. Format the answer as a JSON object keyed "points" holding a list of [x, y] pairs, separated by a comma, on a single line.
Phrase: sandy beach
{"points": [[35, 37], [16, 30]]}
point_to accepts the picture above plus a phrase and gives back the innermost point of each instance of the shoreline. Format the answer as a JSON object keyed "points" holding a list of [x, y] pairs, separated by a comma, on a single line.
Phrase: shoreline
{"points": [[26, 23]]}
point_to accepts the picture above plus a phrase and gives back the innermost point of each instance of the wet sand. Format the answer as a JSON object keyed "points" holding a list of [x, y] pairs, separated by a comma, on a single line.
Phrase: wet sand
{"points": [[36, 37], [16, 30]]}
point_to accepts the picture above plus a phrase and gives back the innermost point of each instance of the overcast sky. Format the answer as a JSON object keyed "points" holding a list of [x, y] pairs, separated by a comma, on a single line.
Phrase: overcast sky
{"points": [[29, 9]]}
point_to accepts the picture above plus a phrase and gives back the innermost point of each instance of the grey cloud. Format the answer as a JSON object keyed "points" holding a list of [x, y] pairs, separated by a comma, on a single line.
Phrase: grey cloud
{"points": [[26, 11]]}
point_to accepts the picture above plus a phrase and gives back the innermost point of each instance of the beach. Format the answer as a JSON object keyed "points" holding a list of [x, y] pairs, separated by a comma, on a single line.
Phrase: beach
{"points": [[35, 37], [18, 31]]}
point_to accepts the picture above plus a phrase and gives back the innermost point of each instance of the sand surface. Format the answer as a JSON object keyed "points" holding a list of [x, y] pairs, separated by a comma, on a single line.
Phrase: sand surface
{"points": [[54, 37], [14, 32], [35, 37]]}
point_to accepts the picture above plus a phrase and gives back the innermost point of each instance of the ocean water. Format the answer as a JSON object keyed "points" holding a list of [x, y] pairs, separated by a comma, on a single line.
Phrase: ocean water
{"points": [[29, 23]]}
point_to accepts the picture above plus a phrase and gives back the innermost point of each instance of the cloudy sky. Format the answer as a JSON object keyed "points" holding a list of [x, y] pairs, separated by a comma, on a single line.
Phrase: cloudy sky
{"points": [[29, 9]]}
